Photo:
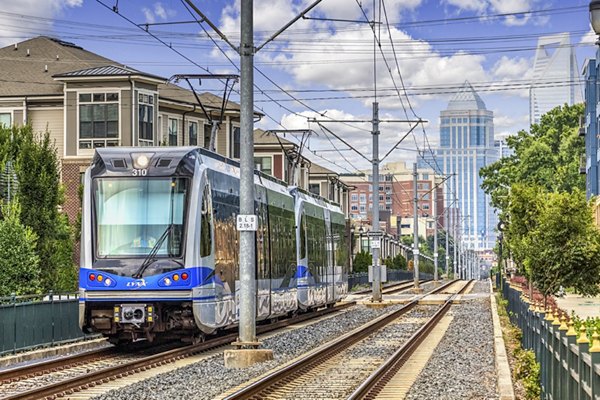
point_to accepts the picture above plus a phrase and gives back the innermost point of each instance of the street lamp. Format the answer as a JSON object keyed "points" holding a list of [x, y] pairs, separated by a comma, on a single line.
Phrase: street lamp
{"points": [[360, 233], [595, 16]]}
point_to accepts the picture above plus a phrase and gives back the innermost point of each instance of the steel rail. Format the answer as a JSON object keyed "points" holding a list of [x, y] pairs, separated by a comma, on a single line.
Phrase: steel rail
{"points": [[307, 362], [373, 385], [102, 376], [400, 285], [23, 372]]}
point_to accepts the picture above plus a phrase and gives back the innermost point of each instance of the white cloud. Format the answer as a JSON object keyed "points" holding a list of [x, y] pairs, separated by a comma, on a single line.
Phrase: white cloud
{"points": [[487, 7], [148, 15], [590, 37], [517, 67], [352, 68], [159, 12], [469, 5], [12, 31]]}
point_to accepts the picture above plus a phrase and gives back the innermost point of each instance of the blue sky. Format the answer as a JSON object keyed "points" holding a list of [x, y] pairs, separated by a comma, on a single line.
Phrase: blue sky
{"points": [[327, 64]]}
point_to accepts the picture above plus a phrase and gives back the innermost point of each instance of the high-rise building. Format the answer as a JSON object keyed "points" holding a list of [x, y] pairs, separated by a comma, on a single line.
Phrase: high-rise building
{"points": [[466, 146], [502, 149], [555, 76]]}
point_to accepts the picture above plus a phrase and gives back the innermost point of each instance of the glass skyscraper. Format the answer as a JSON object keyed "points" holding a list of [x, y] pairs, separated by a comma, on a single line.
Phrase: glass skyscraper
{"points": [[466, 146], [555, 76]]}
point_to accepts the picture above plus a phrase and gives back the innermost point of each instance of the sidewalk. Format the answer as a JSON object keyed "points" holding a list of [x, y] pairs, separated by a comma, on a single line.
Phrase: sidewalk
{"points": [[584, 306]]}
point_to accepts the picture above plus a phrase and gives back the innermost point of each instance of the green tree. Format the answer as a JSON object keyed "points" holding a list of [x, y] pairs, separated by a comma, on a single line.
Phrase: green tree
{"points": [[19, 263], [362, 260], [36, 166], [549, 231], [564, 248], [398, 262], [547, 156]]}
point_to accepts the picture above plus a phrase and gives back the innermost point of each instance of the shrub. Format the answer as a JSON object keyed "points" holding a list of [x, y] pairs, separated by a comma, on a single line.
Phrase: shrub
{"points": [[19, 263]]}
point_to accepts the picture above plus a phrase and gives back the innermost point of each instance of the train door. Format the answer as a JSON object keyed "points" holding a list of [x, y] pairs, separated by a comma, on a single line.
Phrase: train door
{"points": [[328, 264], [262, 251]]}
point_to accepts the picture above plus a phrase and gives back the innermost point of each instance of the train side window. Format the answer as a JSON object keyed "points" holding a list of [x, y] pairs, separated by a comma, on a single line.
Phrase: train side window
{"points": [[206, 222]]}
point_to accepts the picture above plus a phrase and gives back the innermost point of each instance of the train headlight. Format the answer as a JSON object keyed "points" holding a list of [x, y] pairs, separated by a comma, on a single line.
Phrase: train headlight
{"points": [[167, 282], [141, 160]]}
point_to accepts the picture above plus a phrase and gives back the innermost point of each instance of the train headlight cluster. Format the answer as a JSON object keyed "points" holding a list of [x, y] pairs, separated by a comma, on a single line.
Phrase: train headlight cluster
{"points": [[96, 279], [176, 279], [141, 160]]}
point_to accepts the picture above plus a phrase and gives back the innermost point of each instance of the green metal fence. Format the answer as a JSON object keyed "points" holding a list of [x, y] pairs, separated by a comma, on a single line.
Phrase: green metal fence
{"points": [[570, 367], [32, 321]]}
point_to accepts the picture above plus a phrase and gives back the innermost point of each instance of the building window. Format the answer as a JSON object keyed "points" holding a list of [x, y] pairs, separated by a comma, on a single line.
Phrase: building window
{"points": [[235, 142], [354, 197], [146, 119], [5, 119], [363, 198], [193, 133], [354, 207], [98, 120], [314, 188], [207, 132], [264, 164], [173, 125], [425, 206], [362, 208]]}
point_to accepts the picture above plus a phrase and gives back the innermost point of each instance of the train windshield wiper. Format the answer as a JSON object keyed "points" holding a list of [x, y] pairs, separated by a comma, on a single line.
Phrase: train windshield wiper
{"points": [[151, 257]]}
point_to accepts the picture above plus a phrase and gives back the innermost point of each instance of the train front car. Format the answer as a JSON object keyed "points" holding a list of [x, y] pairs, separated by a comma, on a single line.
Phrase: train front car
{"points": [[133, 280]]}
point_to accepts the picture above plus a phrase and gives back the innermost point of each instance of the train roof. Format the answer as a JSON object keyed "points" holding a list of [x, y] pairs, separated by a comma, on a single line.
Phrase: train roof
{"points": [[211, 159]]}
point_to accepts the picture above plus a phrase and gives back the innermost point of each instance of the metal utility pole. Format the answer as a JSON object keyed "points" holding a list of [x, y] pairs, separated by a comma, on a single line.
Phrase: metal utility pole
{"points": [[435, 235], [415, 229], [446, 224], [376, 267], [247, 237], [455, 229]]}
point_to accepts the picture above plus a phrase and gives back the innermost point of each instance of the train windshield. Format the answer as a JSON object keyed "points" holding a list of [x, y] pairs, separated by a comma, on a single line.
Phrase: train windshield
{"points": [[132, 215]]}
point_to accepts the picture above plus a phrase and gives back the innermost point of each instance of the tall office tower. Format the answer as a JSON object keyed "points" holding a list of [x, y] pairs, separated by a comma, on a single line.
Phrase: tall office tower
{"points": [[466, 146], [555, 76]]}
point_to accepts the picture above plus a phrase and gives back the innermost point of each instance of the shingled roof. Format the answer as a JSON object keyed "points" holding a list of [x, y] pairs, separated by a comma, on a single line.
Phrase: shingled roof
{"points": [[23, 66], [32, 66]]}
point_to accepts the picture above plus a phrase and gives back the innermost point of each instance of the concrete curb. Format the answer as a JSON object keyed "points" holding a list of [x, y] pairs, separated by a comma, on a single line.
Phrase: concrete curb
{"points": [[505, 384], [47, 352]]}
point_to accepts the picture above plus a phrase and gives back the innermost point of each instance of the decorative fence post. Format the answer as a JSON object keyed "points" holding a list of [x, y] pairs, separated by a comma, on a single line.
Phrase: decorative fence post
{"points": [[572, 360], [583, 344]]}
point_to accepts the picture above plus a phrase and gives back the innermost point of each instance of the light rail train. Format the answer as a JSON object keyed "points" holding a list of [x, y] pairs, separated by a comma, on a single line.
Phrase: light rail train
{"points": [[159, 245]]}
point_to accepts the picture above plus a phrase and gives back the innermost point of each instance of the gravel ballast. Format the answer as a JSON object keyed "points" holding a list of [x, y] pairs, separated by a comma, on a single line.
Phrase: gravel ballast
{"points": [[209, 378], [462, 366]]}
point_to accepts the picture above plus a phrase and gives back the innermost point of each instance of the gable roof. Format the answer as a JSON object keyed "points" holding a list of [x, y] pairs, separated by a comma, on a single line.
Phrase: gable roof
{"points": [[30, 67], [267, 138], [106, 70], [23, 66]]}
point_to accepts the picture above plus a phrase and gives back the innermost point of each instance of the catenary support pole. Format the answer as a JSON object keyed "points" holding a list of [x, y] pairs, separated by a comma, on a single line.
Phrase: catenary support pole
{"points": [[415, 229], [247, 237], [435, 233], [446, 224], [455, 237], [376, 250]]}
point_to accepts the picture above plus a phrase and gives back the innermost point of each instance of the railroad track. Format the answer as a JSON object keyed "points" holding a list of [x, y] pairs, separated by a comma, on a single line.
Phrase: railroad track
{"points": [[382, 376], [395, 287], [325, 372], [43, 380]]}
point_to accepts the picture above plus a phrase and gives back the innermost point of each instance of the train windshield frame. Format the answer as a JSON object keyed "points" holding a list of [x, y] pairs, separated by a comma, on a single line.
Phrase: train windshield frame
{"points": [[131, 215]]}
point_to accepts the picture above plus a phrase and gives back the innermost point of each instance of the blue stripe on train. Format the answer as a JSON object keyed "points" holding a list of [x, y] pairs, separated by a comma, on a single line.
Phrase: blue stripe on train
{"points": [[103, 281]]}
